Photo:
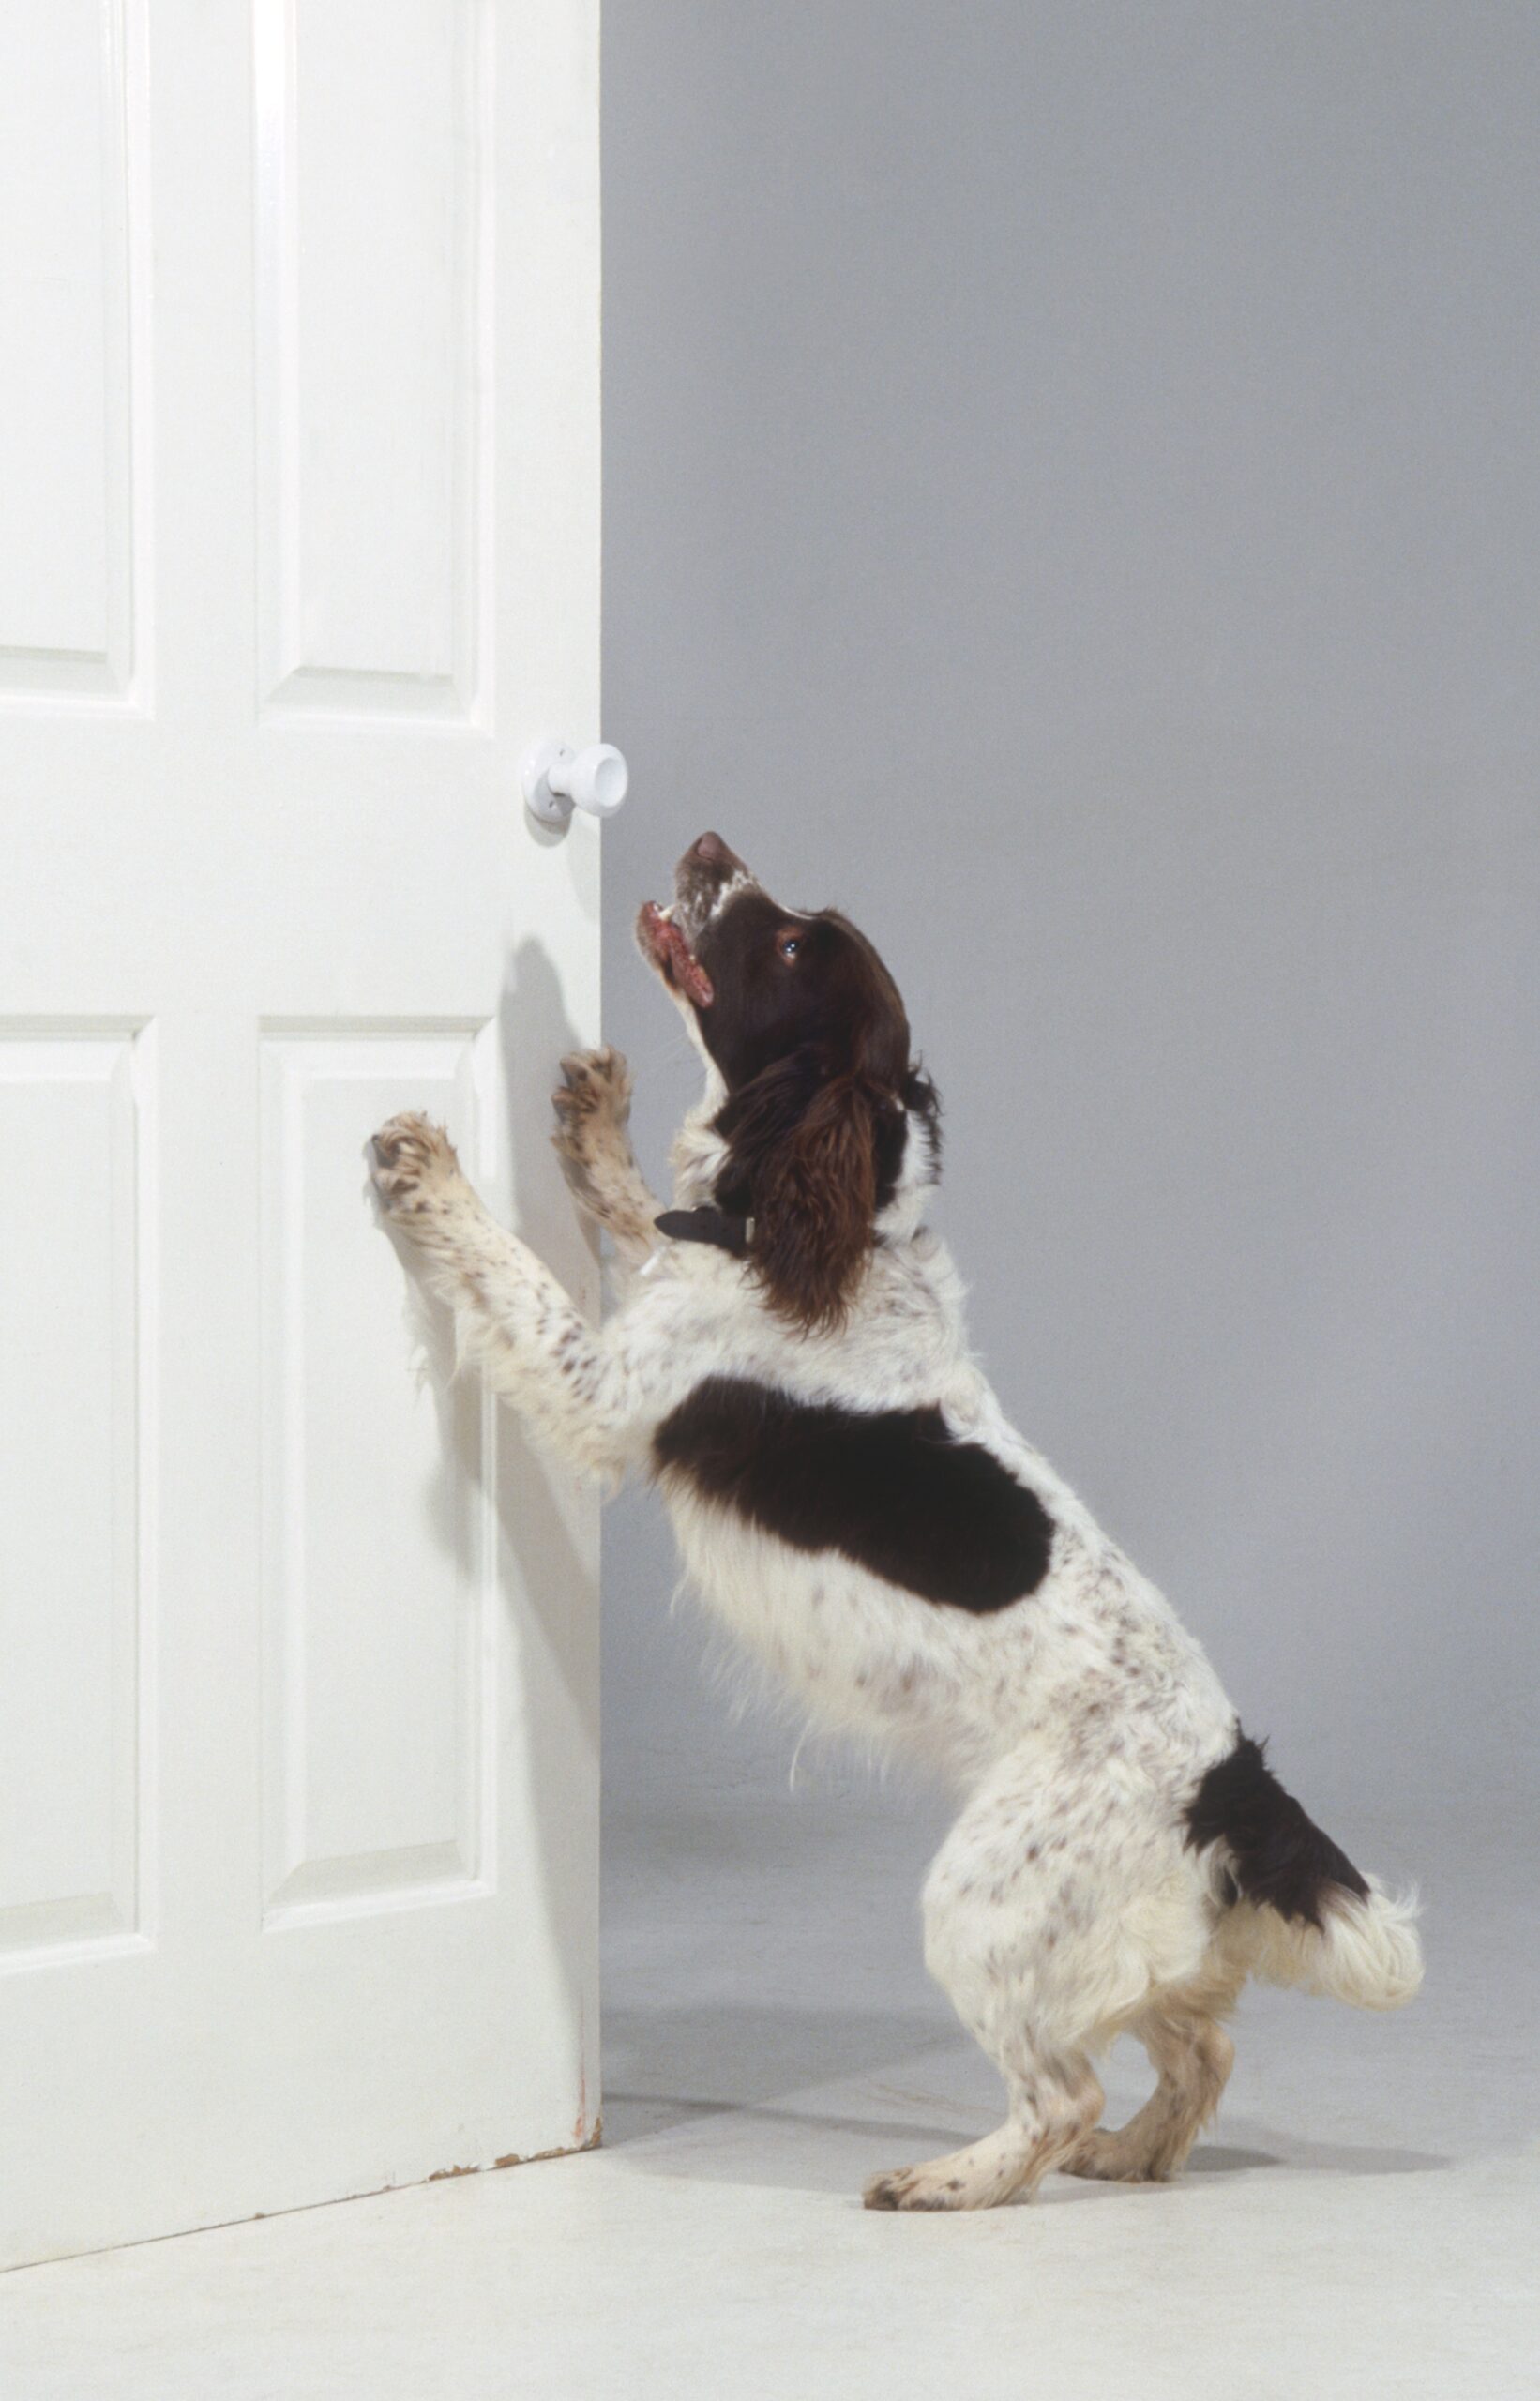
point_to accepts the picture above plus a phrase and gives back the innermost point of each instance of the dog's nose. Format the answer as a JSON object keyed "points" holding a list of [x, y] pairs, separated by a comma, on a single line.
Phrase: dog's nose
{"points": [[708, 866]]}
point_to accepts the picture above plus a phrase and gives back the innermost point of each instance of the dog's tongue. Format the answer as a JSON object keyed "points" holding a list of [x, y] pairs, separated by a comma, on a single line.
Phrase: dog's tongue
{"points": [[670, 943]]}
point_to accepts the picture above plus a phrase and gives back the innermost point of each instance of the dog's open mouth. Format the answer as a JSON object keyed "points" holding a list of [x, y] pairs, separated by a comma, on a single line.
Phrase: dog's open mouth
{"points": [[670, 954]]}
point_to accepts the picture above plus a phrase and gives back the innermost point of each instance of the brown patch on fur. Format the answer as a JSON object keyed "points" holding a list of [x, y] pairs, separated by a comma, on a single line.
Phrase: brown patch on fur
{"points": [[814, 1204], [809, 1031]]}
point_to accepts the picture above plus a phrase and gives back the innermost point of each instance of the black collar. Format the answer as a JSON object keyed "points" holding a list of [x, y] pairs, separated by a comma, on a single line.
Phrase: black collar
{"points": [[710, 1224]]}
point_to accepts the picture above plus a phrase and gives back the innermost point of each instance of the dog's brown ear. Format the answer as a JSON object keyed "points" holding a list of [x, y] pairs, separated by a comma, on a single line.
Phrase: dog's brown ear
{"points": [[815, 1197]]}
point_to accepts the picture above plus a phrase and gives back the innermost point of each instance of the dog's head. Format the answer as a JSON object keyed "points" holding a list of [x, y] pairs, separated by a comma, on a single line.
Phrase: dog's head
{"points": [[823, 1113]]}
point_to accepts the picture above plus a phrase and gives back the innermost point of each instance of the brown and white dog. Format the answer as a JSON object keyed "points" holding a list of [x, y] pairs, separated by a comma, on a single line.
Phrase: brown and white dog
{"points": [[789, 1362]]}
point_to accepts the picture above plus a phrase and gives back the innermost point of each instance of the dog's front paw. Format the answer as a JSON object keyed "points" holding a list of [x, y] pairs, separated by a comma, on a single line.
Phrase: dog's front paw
{"points": [[414, 1164], [596, 1090], [592, 1106]]}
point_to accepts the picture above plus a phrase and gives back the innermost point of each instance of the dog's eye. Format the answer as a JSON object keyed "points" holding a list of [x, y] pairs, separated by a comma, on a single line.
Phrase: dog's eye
{"points": [[788, 944]]}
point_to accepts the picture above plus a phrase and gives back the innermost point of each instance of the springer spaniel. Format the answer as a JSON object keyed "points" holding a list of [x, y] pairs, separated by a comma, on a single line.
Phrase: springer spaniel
{"points": [[789, 1362]]}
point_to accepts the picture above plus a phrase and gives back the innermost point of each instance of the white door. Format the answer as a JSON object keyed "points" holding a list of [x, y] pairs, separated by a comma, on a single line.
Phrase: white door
{"points": [[299, 550]]}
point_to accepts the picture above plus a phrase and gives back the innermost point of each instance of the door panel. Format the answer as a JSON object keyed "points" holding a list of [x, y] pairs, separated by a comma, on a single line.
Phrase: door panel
{"points": [[380, 1600], [73, 273], [374, 332], [73, 1279], [298, 553]]}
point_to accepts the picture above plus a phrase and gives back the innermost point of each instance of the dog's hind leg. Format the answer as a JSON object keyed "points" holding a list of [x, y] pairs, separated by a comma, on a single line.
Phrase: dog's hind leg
{"points": [[1192, 2056], [1054, 2096], [1051, 1912]]}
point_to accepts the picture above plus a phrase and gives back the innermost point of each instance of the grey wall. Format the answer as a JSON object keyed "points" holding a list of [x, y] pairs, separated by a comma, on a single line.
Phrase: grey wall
{"points": [[1074, 498]]}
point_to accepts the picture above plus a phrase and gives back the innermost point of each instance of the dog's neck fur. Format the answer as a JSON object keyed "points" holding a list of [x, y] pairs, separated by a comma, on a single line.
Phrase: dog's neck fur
{"points": [[699, 1153]]}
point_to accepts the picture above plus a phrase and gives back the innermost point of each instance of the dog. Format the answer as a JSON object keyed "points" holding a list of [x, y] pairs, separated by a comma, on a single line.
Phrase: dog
{"points": [[788, 1362]]}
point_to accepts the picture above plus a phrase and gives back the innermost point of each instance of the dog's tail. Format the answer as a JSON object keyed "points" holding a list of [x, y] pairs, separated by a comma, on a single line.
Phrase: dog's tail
{"points": [[1298, 1910]]}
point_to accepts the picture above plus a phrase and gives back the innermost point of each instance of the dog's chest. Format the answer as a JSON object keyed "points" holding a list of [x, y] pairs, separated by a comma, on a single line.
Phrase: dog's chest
{"points": [[856, 1651]]}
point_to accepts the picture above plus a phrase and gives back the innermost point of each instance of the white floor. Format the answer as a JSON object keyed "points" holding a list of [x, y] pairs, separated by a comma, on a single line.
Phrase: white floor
{"points": [[1362, 2222]]}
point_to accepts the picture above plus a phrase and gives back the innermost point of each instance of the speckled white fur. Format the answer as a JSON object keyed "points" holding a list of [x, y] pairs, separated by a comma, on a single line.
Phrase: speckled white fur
{"points": [[1065, 1903]]}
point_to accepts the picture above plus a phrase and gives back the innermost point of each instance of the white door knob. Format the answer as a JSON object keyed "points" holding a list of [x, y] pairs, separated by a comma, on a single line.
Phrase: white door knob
{"points": [[558, 780]]}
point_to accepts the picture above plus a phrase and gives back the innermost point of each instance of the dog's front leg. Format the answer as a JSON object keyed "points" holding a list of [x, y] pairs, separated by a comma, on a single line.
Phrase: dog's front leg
{"points": [[593, 1107], [533, 1347]]}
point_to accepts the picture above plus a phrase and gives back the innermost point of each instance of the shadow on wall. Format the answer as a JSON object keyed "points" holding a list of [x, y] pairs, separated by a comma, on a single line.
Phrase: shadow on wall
{"points": [[546, 1554]]}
